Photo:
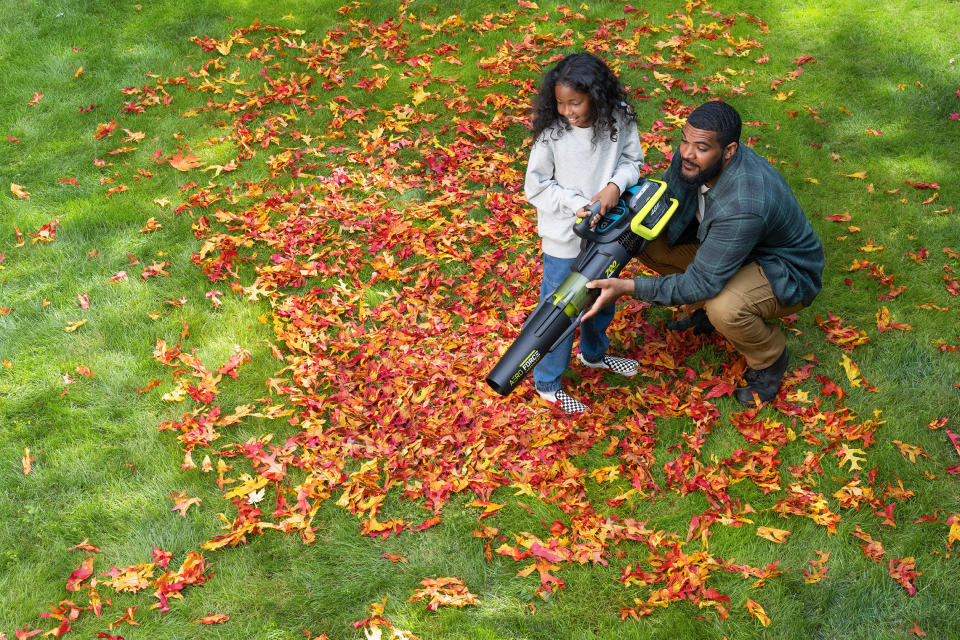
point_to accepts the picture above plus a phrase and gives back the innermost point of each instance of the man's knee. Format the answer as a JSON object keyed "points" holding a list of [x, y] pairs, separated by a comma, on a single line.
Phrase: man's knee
{"points": [[729, 314]]}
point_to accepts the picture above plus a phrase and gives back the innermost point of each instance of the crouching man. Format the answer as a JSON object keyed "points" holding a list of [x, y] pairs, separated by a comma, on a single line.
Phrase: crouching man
{"points": [[739, 250]]}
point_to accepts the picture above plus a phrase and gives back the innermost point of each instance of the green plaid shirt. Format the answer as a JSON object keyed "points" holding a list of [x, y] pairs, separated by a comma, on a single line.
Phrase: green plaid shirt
{"points": [[750, 215]]}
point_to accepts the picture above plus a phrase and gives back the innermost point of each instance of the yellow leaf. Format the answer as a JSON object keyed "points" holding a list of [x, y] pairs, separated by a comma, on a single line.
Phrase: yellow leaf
{"points": [[73, 326], [757, 612], [419, 96], [19, 191], [773, 535], [859, 175], [852, 370]]}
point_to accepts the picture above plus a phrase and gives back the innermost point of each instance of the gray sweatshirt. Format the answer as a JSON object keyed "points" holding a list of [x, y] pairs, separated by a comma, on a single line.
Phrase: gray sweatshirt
{"points": [[566, 170]]}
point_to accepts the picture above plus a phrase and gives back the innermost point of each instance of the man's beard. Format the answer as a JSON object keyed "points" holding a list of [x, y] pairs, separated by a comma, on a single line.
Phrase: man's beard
{"points": [[702, 176]]}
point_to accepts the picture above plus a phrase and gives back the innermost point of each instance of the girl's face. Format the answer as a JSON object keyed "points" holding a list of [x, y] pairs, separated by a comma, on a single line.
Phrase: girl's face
{"points": [[573, 105]]}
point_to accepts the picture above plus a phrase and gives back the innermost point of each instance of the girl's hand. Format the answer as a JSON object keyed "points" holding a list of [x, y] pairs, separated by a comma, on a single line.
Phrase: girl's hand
{"points": [[608, 197]]}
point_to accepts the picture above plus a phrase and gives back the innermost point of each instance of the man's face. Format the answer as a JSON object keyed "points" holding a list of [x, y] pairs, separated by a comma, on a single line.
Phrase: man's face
{"points": [[702, 157]]}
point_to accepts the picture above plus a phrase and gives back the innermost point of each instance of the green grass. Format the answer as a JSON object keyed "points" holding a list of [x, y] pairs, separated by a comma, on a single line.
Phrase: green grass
{"points": [[103, 471]]}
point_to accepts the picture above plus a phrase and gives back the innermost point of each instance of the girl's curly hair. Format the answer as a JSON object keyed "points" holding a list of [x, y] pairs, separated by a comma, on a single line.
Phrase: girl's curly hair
{"points": [[586, 73]]}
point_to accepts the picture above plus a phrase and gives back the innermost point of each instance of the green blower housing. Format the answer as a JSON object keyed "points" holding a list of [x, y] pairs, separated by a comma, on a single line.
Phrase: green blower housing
{"points": [[619, 235]]}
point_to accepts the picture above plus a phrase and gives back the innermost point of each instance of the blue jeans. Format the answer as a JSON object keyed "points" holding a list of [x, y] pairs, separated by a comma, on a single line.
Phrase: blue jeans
{"points": [[593, 332]]}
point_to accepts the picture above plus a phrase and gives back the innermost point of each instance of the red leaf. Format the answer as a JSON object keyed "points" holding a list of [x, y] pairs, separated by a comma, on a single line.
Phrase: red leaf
{"points": [[81, 574]]}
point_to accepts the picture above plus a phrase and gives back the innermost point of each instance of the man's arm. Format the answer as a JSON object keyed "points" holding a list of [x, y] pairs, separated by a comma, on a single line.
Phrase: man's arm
{"points": [[723, 252]]}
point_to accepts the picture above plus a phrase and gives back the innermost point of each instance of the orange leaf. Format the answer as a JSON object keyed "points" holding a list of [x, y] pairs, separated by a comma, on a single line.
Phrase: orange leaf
{"points": [[19, 191], [773, 535], [757, 612], [213, 618], [185, 163], [182, 502]]}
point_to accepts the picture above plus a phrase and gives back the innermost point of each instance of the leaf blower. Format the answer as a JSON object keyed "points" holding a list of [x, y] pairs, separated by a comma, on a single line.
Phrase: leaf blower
{"points": [[619, 235]]}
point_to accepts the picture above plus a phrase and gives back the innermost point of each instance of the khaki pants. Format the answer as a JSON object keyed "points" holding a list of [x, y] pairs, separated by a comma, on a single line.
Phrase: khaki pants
{"points": [[740, 311]]}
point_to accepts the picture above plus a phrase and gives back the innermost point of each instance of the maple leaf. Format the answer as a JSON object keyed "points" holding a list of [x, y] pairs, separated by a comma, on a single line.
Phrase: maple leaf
{"points": [[37, 97], [133, 136], [151, 225], [903, 570], [873, 549], [858, 175], [757, 612], [852, 370], [446, 592], [489, 508], [213, 618], [182, 502], [839, 217], [73, 326], [185, 163], [105, 130], [954, 534], [19, 191], [85, 546], [127, 617], [910, 451], [81, 574], [27, 461], [395, 557], [773, 535], [161, 557]]}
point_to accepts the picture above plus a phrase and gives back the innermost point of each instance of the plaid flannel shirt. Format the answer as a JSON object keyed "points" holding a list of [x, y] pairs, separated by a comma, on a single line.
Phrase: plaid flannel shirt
{"points": [[750, 215]]}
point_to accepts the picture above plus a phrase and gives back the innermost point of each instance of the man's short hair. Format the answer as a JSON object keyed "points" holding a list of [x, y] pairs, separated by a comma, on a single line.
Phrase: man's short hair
{"points": [[718, 116]]}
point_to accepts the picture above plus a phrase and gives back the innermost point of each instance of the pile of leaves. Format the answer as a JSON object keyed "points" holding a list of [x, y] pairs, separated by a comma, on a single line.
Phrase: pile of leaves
{"points": [[378, 207]]}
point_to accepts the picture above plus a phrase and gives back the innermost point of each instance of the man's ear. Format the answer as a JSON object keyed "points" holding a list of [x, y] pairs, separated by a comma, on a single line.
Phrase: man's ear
{"points": [[730, 149]]}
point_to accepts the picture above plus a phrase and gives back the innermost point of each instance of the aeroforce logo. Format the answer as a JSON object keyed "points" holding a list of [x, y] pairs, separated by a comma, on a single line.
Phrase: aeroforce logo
{"points": [[525, 366]]}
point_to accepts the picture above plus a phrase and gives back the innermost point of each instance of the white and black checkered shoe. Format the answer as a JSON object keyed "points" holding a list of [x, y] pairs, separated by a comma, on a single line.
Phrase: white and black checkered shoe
{"points": [[569, 406], [624, 366]]}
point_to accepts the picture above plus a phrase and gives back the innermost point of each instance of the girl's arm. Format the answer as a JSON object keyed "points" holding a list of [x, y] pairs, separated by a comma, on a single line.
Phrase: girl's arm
{"points": [[542, 189], [627, 172]]}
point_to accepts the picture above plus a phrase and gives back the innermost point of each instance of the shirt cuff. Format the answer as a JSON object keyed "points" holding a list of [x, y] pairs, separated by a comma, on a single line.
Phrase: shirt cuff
{"points": [[643, 288]]}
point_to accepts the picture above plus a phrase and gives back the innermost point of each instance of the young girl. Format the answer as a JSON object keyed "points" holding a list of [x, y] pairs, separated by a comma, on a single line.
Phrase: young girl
{"points": [[586, 148]]}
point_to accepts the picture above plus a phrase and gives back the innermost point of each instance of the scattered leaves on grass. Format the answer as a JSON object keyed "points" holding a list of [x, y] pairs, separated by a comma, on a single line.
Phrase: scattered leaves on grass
{"points": [[392, 243]]}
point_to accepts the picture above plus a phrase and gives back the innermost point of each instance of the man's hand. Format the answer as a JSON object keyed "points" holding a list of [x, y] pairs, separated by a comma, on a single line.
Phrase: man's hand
{"points": [[610, 290]]}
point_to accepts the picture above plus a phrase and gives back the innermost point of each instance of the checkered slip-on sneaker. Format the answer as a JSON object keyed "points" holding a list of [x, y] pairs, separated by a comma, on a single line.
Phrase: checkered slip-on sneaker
{"points": [[569, 406], [624, 366]]}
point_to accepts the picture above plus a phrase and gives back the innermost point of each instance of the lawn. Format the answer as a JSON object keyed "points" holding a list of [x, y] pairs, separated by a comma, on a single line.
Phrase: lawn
{"points": [[256, 260]]}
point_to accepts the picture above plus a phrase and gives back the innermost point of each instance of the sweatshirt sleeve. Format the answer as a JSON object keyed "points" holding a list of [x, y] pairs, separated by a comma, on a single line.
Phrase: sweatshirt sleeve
{"points": [[627, 172], [541, 187]]}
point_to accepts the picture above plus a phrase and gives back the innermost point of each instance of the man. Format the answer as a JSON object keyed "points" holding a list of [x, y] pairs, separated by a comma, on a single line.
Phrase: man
{"points": [[739, 249]]}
